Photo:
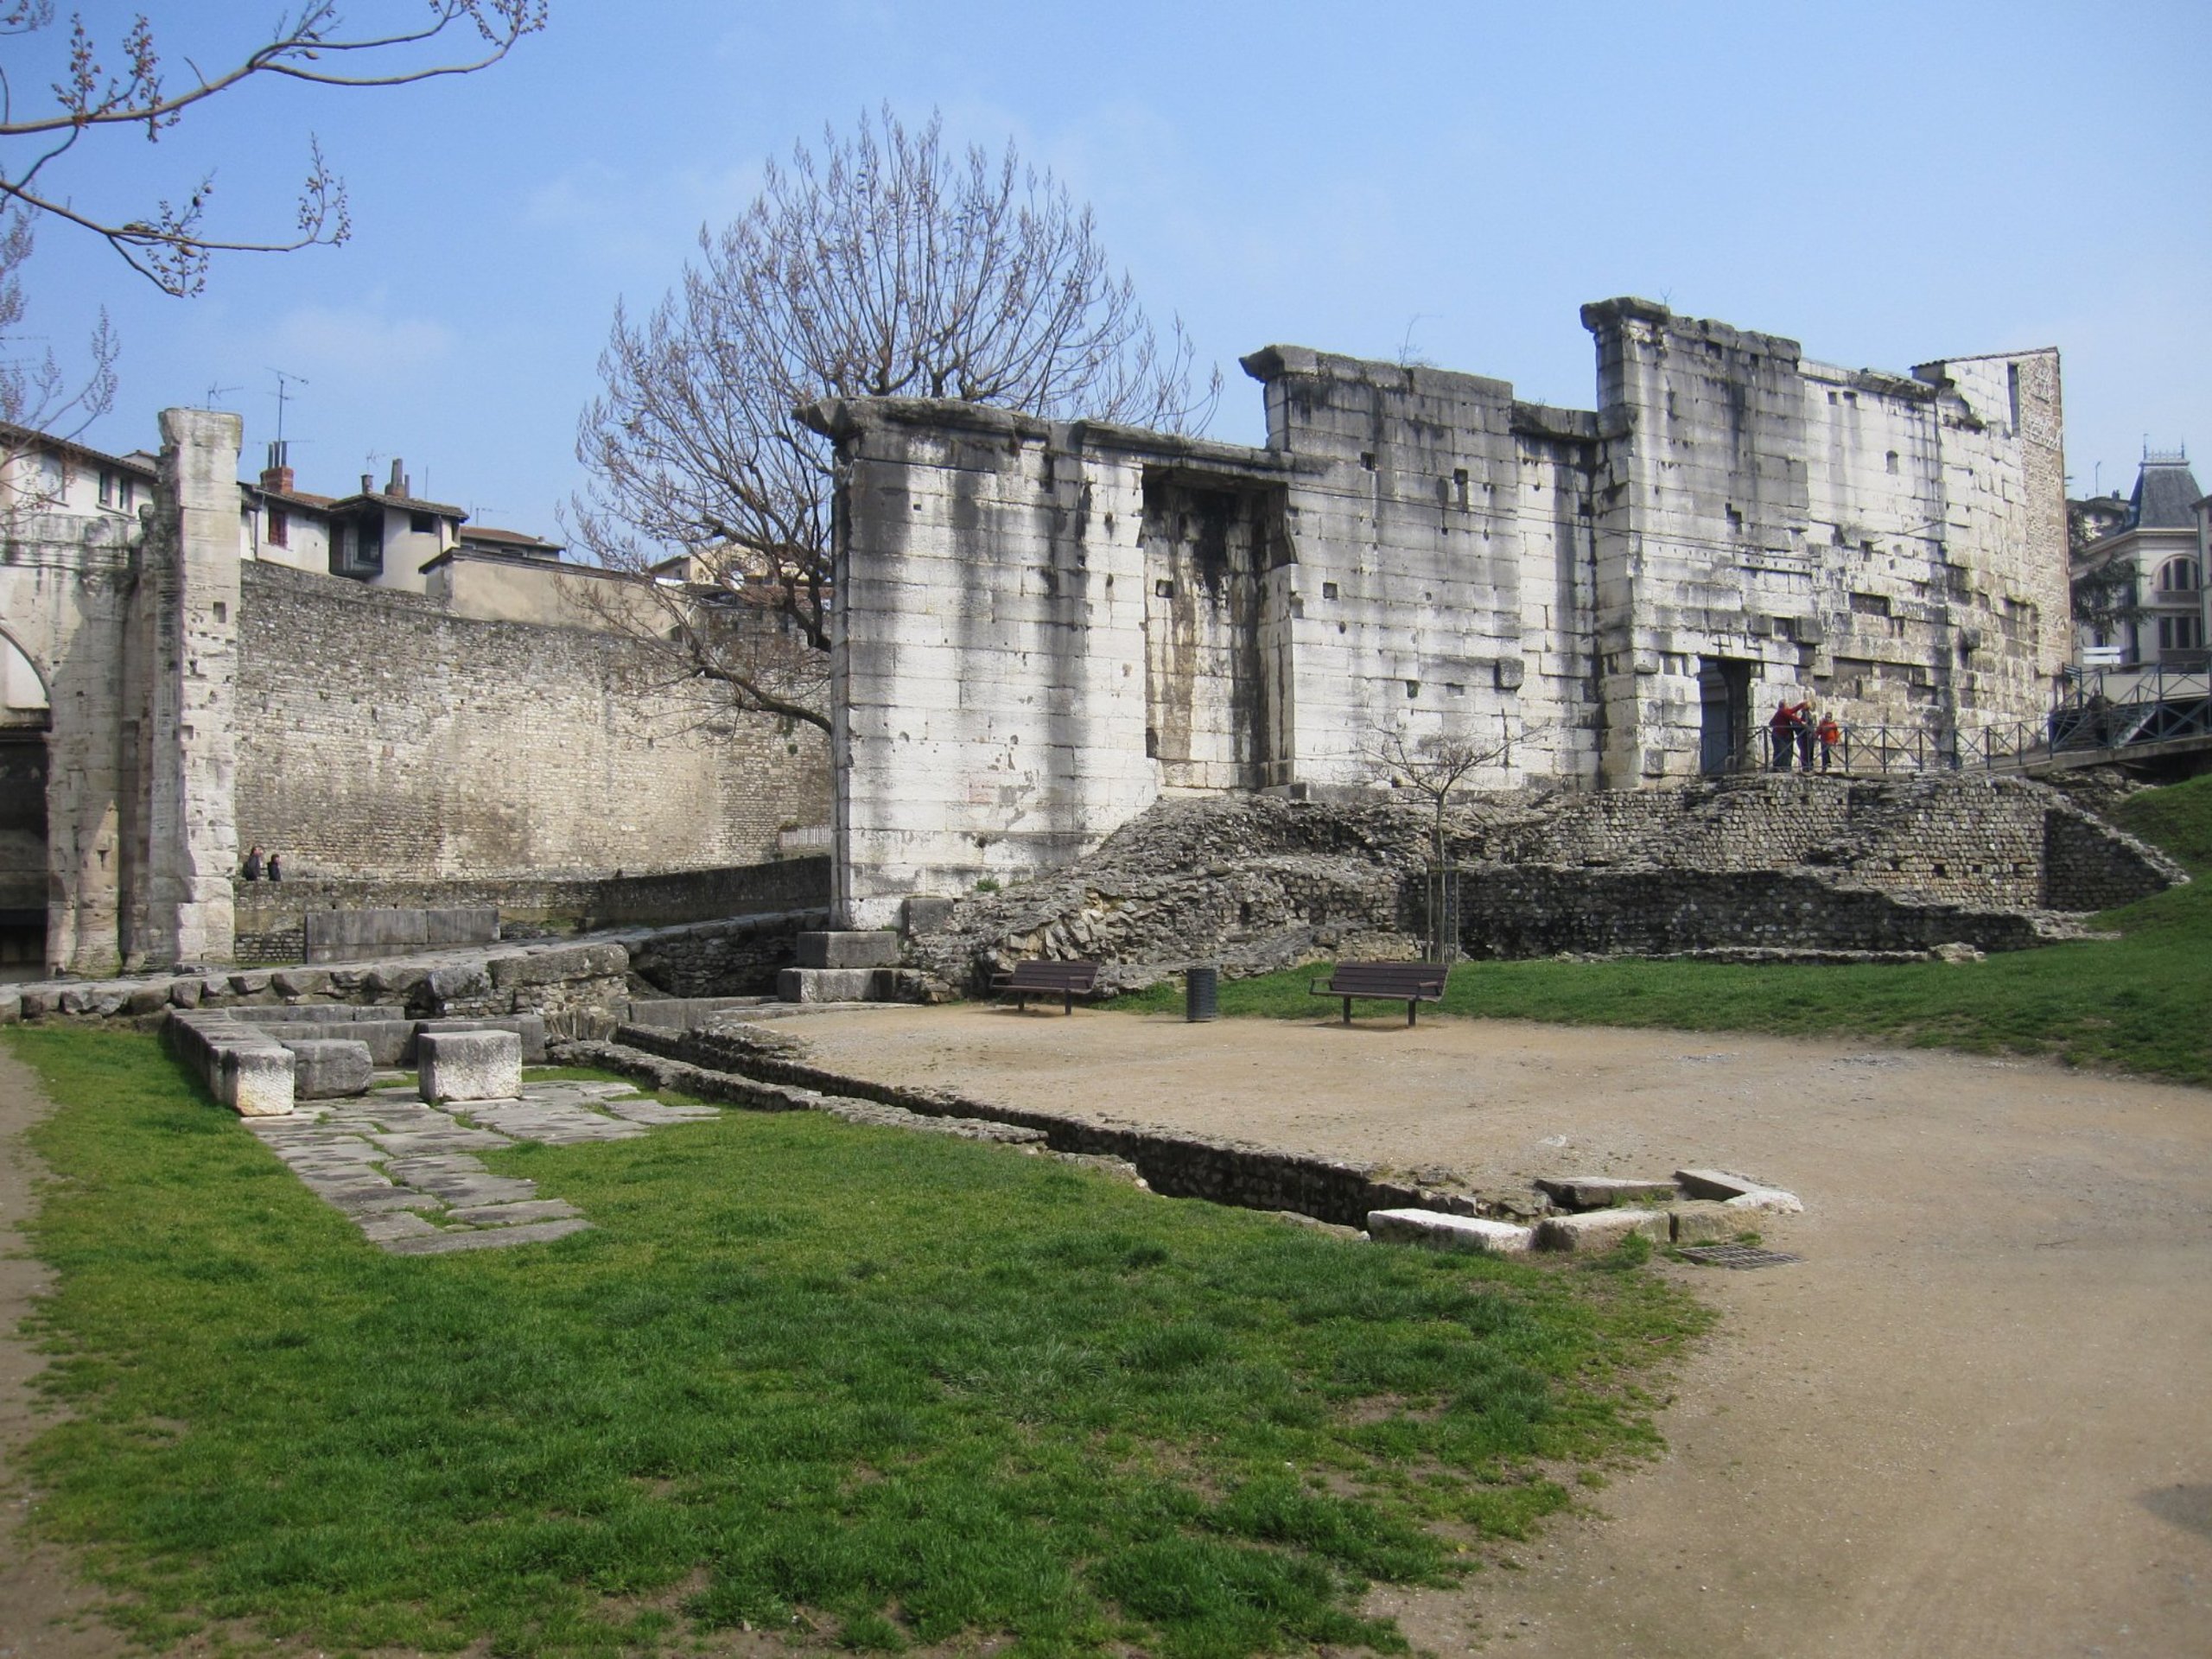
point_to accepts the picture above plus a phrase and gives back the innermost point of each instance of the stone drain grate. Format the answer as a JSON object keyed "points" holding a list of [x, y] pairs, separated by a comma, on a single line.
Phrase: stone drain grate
{"points": [[1735, 1255]]}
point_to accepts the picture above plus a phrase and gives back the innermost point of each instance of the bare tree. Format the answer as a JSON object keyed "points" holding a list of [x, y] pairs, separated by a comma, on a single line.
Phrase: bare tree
{"points": [[1436, 767], [883, 264], [170, 246], [35, 391]]}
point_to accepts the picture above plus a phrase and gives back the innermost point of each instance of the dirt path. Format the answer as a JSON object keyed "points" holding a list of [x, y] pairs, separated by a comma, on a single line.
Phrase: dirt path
{"points": [[1978, 1418], [44, 1611]]}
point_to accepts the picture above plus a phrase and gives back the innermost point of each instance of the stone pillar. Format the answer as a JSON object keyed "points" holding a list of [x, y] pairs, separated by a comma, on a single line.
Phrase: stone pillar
{"points": [[192, 584]]}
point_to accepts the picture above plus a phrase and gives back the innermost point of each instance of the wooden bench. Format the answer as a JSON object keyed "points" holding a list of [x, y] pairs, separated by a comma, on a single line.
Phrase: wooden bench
{"points": [[1067, 980], [1411, 982]]}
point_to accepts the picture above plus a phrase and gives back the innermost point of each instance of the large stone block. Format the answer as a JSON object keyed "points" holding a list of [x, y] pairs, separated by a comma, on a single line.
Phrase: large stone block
{"points": [[1704, 1221], [1768, 1201], [870, 948], [1440, 1232], [469, 1065], [255, 1078], [325, 1068], [1603, 1192], [831, 984], [1600, 1230], [530, 1028]]}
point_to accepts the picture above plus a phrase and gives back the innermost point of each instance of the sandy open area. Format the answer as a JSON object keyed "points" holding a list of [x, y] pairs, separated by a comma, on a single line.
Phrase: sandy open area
{"points": [[1976, 1419]]}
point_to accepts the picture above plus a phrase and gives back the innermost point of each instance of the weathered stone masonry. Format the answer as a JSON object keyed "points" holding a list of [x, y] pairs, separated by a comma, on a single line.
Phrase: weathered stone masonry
{"points": [[1047, 627], [198, 705], [382, 736]]}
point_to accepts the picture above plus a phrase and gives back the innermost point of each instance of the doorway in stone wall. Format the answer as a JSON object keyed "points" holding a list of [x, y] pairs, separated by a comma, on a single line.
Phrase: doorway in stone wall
{"points": [[1724, 689], [1216, 631], [22, 853]]}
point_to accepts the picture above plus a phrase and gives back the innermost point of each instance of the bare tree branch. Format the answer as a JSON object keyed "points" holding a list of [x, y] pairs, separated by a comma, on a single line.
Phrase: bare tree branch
{"points": [[35, 395], [878, 264], [170, 246]]}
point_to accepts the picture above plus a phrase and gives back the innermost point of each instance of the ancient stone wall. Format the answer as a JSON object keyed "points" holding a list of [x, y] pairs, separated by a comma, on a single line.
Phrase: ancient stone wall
{"points": [[739, 957], [2086, 867], [1621, 594], [998, 711], [66, 590], [1442, 583], [578, 987], [1963, 840], [1801, 865], [383, 738], [1889, 546], [270, 915], [1534, 910]]}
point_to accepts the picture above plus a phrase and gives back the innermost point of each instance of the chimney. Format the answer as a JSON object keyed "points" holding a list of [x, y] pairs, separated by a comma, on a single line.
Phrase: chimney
{"points": [[277, 474], [368, 483], [398, 485]]}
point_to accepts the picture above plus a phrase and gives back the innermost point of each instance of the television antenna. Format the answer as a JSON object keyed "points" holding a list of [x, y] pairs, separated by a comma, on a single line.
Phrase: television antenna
{"points": [[282, 391]]}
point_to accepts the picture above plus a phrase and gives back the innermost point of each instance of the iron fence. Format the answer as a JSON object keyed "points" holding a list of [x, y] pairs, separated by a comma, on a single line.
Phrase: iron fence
{"points": [[1441, 915], [2111, 709]]}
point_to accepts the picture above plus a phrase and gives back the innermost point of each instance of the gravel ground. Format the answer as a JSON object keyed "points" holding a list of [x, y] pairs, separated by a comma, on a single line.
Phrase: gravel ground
{"points": [[1977, 1417]]}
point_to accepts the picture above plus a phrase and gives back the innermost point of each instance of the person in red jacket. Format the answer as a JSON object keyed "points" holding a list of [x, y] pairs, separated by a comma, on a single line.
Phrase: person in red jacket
{"points": [[1830, 735], [1782, 730]]}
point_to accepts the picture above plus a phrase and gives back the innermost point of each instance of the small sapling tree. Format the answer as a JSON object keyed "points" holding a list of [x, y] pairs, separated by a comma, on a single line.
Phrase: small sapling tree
{"points": [[1437, 765]]}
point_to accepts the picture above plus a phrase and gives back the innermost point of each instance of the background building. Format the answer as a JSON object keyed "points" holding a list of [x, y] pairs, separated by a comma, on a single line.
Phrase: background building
{"points": [[2138, 569]]}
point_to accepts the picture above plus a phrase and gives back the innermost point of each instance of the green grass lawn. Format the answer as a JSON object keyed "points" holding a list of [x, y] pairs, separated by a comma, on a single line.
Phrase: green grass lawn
{"points": [[850, 1384], [2135, 1003]]}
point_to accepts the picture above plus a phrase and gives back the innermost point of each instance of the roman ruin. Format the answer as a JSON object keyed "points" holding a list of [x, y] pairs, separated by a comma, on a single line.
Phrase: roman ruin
{"points": [[170, 702], [1047, 627]]}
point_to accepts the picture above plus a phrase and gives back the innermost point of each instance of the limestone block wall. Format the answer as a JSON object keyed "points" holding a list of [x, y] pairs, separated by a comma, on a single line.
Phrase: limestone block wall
{"points": [[66, 590], [190, 612], [382, 737], [1891, 547], [1624, 592], [1441, 533], [998, 711], [272, 917]]}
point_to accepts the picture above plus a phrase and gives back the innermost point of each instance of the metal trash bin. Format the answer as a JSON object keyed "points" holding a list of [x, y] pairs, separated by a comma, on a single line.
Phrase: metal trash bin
{"points": [[1201, 993]]}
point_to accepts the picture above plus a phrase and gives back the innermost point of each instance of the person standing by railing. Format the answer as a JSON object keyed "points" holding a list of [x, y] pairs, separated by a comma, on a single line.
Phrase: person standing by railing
{"points": [[1782, 731], [1830, 734]]}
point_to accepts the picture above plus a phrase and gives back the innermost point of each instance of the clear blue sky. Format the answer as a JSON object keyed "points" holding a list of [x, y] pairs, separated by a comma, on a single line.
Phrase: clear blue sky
{"points": [[1885, 182]]}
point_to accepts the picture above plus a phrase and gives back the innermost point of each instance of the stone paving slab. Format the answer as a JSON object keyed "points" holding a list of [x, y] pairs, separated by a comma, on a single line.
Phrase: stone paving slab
{"points": [[557, 1122], [652, 1112], [489, 1238], [510, 1215], [405, 1172]]}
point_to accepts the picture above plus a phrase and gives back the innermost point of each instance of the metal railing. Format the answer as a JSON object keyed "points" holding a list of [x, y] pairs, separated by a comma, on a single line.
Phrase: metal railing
{"points": [[2109, 710]]}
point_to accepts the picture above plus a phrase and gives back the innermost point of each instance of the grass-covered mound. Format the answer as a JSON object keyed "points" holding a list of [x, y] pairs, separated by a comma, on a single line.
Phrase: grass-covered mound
{"points": [[2135, 1003], [875, 1386]]}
